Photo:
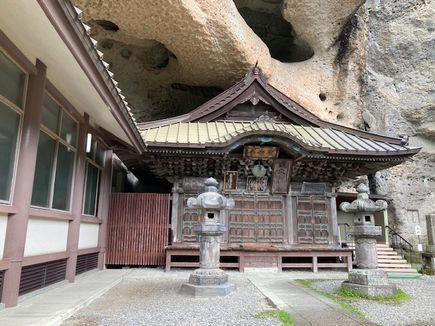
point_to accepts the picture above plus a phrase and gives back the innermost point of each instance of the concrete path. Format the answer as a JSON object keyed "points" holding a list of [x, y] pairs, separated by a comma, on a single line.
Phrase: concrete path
{"points": [[54, 305], [305, 306]]}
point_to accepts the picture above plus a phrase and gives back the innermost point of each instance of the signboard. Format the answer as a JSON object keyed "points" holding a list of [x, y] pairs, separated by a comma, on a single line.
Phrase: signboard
{"points": [[230, 180], [254, 184], [261, 152], [280, 176]]}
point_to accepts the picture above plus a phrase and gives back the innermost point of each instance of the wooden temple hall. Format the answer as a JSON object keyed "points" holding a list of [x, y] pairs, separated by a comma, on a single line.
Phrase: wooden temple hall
{"points": [[279, 162]]}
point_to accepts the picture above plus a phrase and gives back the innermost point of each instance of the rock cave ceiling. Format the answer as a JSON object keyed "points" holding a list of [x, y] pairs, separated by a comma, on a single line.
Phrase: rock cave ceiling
{"points": [[171, 56]]}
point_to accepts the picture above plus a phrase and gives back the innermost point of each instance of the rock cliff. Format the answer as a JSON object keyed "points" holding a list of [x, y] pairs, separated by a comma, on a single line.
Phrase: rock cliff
{"points": [[366, 64]]}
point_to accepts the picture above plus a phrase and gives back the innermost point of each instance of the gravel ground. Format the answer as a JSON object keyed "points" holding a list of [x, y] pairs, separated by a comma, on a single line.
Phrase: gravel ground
{"points": [[151, 298], [419, 311]]}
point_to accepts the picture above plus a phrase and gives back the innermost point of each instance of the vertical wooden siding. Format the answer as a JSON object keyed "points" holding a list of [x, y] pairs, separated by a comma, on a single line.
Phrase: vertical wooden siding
{"points": [[137, 229]]}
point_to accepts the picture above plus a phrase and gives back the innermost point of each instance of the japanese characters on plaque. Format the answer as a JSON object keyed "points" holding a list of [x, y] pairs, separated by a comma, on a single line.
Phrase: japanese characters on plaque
{"points": [[230, 180], [261, 152], [254, 184]]}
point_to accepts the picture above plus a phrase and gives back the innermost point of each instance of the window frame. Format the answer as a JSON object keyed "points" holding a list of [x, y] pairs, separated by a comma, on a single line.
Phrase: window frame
{"points": [[56, 136], [20, 111], [92, 161]]}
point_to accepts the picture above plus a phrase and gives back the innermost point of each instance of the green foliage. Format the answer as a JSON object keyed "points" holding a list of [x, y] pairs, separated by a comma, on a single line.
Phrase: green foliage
{"points": [[426, 270], [398, 298], [283, 316]]}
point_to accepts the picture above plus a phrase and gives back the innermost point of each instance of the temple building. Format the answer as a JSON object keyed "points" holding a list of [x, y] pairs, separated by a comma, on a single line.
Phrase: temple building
{"points": [[279, 162], [83, 186]]}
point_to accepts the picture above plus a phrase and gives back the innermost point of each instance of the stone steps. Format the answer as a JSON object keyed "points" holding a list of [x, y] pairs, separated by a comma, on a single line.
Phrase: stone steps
{"points": [[393, 263], [392, 260]]}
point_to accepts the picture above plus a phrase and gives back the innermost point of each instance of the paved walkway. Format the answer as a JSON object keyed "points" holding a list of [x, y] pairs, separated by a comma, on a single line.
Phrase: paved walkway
{"points": [[305, 306], [53, 306]]}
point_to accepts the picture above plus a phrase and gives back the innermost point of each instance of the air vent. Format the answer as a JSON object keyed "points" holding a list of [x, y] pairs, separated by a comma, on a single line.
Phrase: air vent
{"points": [[86, 262], [35, 277]]}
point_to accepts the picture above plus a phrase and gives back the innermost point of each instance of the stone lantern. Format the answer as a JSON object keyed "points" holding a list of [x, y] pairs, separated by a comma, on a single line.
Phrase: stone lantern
{"points": [[209, 279], [366, 278]]}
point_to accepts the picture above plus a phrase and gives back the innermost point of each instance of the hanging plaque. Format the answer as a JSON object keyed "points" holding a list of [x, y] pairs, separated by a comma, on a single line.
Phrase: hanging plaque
{"points": [[261, 152], [280, 176], [230, 180], [254, 184]]}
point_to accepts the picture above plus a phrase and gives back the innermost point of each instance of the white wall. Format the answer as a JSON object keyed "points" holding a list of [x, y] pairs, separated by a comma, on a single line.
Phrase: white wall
{"points": [[45, 237], [3, 225], [88, 237]]}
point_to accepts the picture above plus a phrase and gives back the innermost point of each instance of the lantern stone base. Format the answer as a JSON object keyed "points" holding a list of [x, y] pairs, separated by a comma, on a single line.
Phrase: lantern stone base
{"points": [[204, 282], [370, 282], [207, 290]]}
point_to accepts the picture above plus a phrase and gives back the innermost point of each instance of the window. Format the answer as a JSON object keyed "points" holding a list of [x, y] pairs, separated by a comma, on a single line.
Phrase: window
{"points": [[12, 88], [12, 81], [52, 186], [94, 166]]}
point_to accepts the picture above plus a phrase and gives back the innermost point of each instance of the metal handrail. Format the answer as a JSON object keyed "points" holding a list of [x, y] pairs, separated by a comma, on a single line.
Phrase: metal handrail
{"points": [[394, 233]]}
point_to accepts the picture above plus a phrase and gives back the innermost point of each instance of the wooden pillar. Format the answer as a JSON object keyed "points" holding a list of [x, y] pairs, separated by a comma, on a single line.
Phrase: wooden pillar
{"points": [[290, 218], [77, 202], [174, 210], [334, 221], [106, 187], [17, 223]]}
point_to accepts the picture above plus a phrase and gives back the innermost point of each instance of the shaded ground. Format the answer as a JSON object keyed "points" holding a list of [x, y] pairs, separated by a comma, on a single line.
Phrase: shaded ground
{"points": [[152, 298]]}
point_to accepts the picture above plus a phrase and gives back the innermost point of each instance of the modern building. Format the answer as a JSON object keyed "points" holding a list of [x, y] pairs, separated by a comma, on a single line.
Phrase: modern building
{"points": [[58, 104]]}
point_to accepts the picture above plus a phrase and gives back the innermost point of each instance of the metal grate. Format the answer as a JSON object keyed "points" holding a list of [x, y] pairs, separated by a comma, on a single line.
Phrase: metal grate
{"points": [[86, 262], [35, 277]]}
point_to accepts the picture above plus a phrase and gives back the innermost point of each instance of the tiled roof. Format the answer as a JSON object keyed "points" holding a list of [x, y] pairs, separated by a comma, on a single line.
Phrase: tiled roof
{"points": [[206, 134]]}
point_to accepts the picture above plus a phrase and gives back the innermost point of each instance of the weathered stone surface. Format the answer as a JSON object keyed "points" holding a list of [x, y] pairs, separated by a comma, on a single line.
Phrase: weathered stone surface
{"points": [[372, 291], [207, 291], [370, 282], [208, 279], [210, 44], [372, 67], [368, 277], [203, 276], [400, 94]]}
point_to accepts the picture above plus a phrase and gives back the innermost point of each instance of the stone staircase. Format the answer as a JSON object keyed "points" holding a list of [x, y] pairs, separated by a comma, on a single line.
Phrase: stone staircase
{"points": [[393, 263]]}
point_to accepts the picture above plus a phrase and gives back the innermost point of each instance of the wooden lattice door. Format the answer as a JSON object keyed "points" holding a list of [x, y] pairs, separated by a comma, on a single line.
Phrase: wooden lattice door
{"points": [[312, 219], [257, 219], [189, 218]]}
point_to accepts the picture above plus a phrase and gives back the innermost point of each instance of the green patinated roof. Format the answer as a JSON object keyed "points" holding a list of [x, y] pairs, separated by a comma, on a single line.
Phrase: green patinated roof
{"points": [[220, 133]]}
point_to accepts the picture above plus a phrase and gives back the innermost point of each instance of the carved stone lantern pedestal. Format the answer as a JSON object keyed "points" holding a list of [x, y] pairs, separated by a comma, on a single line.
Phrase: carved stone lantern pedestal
{"points": [[209, 280], [367, 278]]}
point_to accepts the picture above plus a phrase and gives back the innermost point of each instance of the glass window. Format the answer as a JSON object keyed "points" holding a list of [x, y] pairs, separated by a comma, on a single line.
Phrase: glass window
{"points": [[43, 171], [99, 155], [53, 182], [91, 189], [12, 81], [9, 126], [68, 131], [63, 179], [50, 114]]}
